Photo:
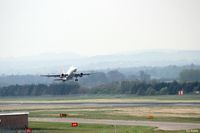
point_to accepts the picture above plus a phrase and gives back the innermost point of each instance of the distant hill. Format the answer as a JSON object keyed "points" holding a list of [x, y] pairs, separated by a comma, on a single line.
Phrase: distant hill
{"points": [[54, 63]]}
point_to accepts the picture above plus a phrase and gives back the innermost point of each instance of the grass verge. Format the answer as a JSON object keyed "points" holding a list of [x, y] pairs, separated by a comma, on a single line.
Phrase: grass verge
{"points": [[46, 127]]}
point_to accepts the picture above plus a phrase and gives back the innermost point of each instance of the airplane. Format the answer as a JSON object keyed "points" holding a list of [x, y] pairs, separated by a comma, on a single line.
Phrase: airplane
{"points": [[71, 73]]}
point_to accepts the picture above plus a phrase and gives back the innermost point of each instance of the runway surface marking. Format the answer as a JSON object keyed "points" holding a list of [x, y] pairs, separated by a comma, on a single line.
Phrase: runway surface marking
{"points": [[159, 125]]}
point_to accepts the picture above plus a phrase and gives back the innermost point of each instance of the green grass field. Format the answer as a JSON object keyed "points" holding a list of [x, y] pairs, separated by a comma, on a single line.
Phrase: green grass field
{"points": [[159, 113], [44, 127]]}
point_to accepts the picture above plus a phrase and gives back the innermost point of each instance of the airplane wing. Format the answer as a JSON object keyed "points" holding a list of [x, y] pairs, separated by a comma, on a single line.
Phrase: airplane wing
{"points": [[81, 74], [52, 75]]}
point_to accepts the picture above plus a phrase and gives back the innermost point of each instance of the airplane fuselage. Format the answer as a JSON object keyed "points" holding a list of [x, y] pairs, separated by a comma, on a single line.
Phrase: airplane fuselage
{"points": [[71, 73]]}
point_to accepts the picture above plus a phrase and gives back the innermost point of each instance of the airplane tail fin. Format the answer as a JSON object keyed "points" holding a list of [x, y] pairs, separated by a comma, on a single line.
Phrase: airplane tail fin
{"points": [[62, 70]]}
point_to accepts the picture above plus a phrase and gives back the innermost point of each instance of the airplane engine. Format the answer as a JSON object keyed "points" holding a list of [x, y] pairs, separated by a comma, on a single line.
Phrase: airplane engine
{"points": [[81, 74], [62, 75]]}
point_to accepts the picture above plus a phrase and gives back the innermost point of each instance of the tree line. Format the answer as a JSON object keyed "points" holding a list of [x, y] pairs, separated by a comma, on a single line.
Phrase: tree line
{"points": [[113, 82], [117, 87], [182, 74]]}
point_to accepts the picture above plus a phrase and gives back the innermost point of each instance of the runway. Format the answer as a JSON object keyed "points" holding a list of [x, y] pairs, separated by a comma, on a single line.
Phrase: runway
{"points": [[159, 125], [101, 104]]}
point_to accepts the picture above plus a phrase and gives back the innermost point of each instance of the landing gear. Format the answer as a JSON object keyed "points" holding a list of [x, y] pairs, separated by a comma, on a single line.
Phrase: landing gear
{"points": [[76, 79]]}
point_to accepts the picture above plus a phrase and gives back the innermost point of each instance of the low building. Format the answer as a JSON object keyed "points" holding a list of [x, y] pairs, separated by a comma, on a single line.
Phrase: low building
{"points": [[17, 120]]}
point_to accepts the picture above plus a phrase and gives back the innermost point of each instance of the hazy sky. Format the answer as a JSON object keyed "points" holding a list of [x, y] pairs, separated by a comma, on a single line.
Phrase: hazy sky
{"points": [[91, 27]]}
